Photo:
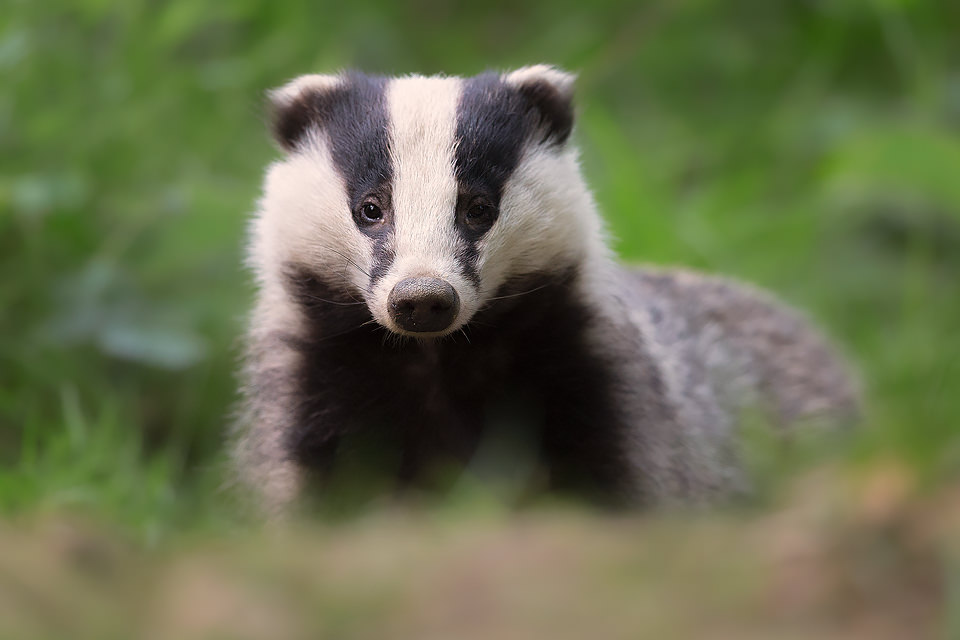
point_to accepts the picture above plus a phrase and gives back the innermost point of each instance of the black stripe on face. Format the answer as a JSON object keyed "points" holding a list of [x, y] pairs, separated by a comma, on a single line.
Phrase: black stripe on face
{"points": [[467, 255], [357, 125], [495, 121], [491, 131], [353, 115], [383, 256]]}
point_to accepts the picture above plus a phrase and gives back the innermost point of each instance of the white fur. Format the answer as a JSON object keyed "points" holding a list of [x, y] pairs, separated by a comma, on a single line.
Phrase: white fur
{"points": [[423, 126], [562, 81], [289, 92], [305, 219], [548, 219]]}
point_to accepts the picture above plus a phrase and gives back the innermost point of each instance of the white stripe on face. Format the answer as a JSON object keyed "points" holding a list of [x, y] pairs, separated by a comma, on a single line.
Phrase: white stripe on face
{"points": [[423, 125]]}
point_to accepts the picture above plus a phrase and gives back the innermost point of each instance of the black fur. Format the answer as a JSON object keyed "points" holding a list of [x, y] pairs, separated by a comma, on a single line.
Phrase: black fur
{"points": [[430, 402], [383, 256], [553, 108], [467, 255], [492, 127], [495, 120]]}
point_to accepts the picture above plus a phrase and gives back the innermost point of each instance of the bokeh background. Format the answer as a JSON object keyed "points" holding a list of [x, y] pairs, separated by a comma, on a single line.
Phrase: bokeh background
{"points": [[812, 147]]}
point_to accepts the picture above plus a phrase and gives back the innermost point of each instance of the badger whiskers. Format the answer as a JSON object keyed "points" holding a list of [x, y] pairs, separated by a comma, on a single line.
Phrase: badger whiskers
{"points": [[521, 293], [311, 297], [351, 262]]}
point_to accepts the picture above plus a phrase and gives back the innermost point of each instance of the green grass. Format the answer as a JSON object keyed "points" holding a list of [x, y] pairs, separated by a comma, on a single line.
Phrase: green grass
{"points": [[810, 147]]}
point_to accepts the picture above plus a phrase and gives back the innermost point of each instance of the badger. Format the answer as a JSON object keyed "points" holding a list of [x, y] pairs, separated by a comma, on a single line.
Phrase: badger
{"points": [[430, 264]]}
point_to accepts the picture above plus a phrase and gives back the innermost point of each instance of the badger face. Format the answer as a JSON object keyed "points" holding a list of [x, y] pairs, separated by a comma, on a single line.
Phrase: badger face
{"points": [[420, 197]]}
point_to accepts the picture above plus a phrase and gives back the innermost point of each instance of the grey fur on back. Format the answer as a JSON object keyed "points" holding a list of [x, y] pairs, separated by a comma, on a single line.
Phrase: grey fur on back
{"points": [[724, 351]]}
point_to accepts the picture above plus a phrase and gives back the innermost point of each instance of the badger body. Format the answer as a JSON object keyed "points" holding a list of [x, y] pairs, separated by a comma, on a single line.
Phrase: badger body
{"points": [[431, 266]]}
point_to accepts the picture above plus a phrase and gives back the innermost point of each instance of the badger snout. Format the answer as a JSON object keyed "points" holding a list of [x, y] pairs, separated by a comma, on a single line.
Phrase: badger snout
{"points": [[423, 305]]}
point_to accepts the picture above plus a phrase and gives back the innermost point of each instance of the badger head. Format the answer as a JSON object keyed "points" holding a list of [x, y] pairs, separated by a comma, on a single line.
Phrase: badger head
{"points": [[422, 197]]}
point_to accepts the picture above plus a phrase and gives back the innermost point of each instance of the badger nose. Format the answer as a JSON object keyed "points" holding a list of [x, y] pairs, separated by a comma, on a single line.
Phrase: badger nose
{"points": [[423, 305]]}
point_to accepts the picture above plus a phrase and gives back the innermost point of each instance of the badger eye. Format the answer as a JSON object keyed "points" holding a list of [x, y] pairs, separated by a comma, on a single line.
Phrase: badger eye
{"points": [[479, 215], [369, 214]]}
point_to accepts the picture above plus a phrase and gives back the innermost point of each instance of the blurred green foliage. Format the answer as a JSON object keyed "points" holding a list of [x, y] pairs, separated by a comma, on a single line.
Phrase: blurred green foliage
{"points": [[809, 146]]}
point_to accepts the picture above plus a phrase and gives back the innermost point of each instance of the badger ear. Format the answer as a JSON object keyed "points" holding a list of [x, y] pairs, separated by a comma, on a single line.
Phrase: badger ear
{"points": [[298, 105], [549, 91]]}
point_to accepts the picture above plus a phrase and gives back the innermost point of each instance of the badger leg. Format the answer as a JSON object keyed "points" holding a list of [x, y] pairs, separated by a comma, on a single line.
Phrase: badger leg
{"points": [[272, 478], [269, 478], [281, 487]]}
